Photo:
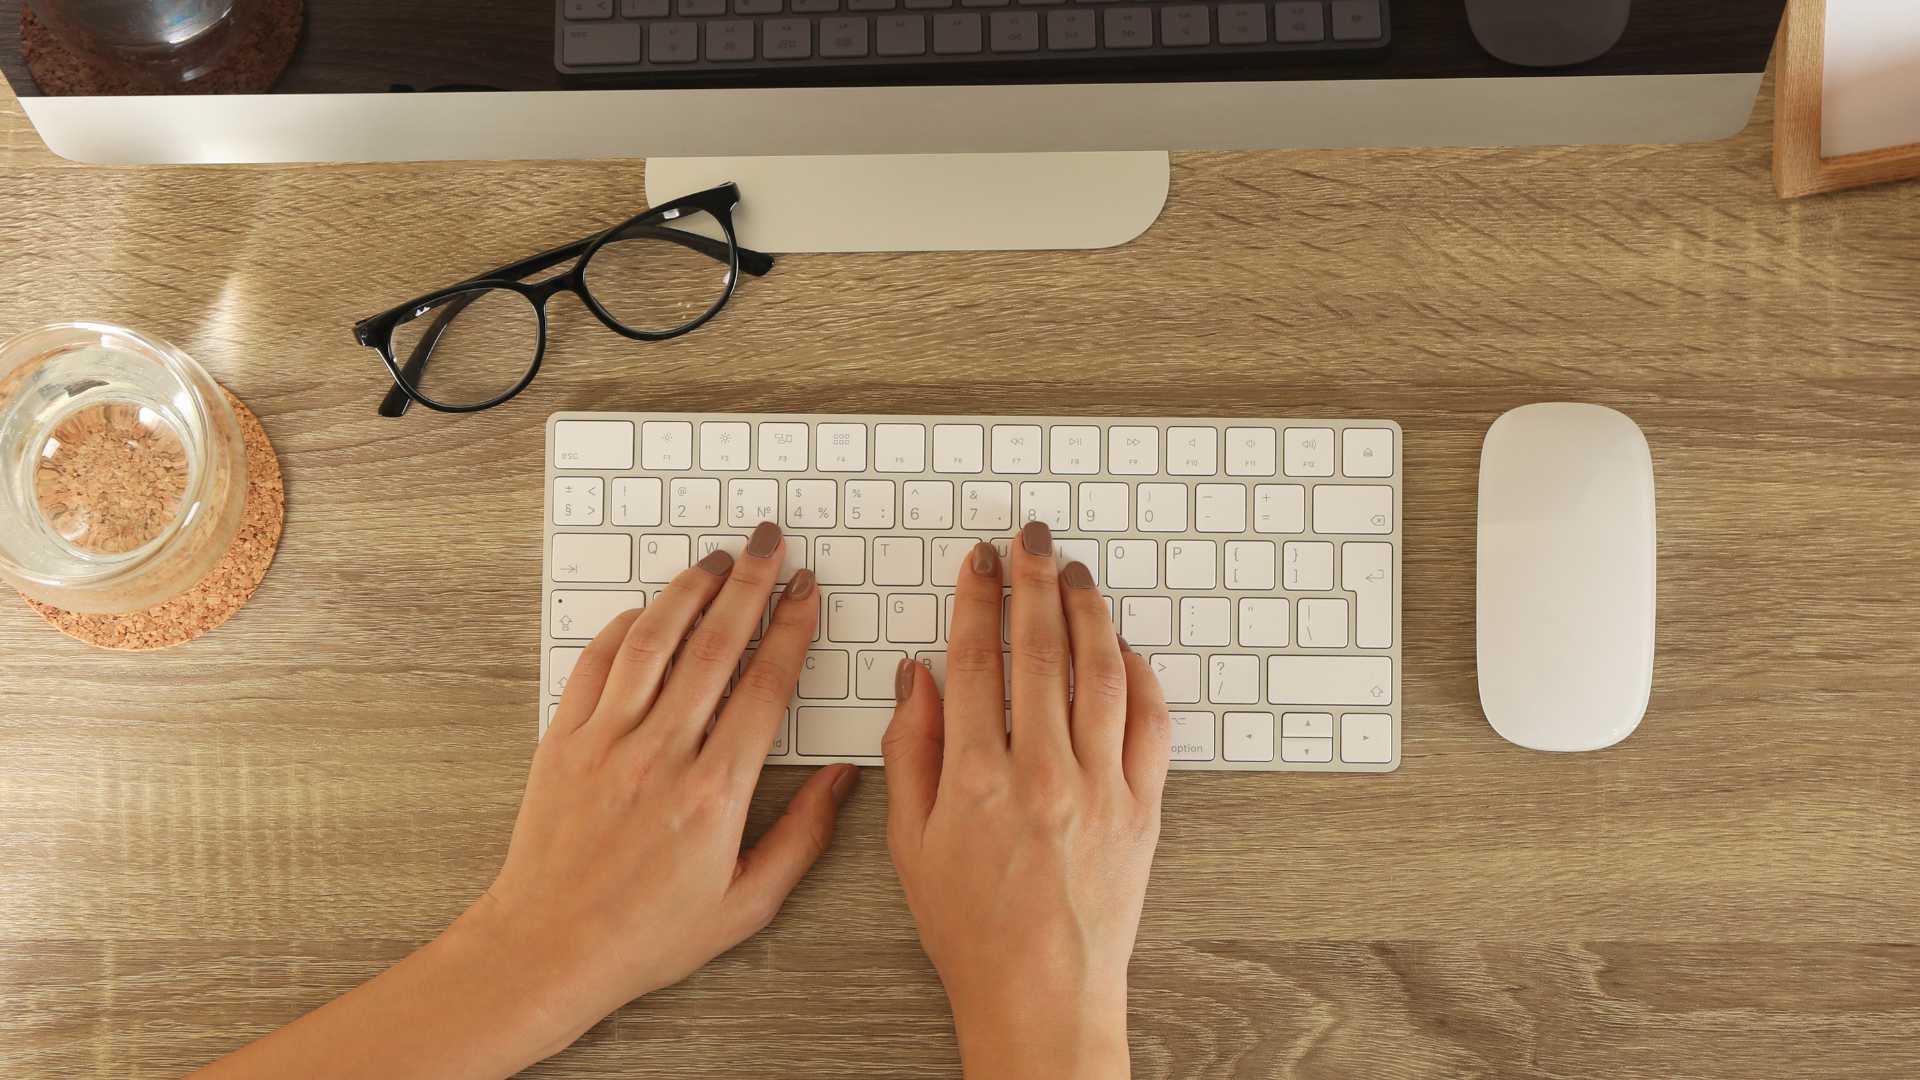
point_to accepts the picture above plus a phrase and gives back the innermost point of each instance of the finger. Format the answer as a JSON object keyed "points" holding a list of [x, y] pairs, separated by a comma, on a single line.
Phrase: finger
{"points": [[1099, 672], [758, 705], [912, 747], [1041, 655], [589, 676], [711, 656], [641, 662], [976, 688], [1149, 742], [771, 868]]}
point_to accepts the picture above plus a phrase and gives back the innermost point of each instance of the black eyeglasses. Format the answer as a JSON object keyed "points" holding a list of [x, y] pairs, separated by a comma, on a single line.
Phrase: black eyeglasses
{"points": [[476, 344]]}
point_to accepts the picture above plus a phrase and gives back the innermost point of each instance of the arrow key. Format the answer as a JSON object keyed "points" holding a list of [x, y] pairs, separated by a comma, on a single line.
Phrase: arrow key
{"points": [[1366, 738]]}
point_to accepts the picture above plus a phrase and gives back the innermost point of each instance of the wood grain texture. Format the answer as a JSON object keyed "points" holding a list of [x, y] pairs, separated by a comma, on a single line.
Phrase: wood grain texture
{"points": [[199, 845], [1798, 165]]}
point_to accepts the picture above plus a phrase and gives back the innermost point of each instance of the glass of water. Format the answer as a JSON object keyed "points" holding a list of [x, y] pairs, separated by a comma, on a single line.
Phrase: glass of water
{"points": [[122, 473], [165, 42]]}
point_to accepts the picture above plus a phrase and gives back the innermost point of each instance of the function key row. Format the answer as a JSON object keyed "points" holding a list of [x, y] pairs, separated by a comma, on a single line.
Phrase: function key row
{"points": [[1013, 449]]}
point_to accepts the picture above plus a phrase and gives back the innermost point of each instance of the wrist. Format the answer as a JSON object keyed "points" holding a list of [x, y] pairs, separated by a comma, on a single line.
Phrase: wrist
{"points": [[1059, 1037], [537, 994]]}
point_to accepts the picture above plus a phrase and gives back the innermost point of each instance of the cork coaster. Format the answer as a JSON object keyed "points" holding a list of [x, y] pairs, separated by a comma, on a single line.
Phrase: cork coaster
{"points": [[222, 592], [263, 46]]}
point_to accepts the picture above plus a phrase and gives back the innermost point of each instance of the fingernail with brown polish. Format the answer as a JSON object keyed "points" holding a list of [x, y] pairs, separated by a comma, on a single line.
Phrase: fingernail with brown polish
{"points": [[801, 586], [903, 680], [718, 563], [1077, 576], [1036, 538], [844, 782], [766, 537], [986, 561]]}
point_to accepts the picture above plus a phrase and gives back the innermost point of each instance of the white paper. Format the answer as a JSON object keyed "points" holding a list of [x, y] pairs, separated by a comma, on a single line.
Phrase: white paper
{"points": [[1871, 99]]}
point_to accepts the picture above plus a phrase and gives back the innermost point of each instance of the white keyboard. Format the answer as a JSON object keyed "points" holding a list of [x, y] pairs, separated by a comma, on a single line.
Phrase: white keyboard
{"points": [[1256, 563]]}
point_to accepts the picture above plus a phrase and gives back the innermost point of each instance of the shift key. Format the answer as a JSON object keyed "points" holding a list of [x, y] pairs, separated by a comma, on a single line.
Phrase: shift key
{"points": [[1329, 680]]}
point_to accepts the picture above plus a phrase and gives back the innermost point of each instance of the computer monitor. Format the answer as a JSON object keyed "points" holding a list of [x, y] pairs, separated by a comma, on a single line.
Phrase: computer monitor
{"points": [[1016, 123]]}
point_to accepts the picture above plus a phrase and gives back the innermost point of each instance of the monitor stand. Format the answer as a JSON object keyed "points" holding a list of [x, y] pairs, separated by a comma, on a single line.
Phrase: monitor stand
{"points": [[930, 202]]}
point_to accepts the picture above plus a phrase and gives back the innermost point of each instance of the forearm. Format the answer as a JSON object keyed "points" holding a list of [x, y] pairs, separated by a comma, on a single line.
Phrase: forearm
{"points": [[1077, 1040], [471, 1004]]}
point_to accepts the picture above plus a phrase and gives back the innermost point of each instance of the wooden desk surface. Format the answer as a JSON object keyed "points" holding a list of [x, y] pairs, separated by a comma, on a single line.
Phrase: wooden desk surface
{"points": [[199, 845]]}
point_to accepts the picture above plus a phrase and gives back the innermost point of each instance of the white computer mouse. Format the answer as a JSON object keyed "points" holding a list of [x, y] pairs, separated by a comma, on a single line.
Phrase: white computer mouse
{"points": [[1566, 576]]}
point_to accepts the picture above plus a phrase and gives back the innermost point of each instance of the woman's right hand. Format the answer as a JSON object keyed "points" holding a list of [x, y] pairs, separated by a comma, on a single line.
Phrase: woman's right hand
{"points": [[1025, 858]]}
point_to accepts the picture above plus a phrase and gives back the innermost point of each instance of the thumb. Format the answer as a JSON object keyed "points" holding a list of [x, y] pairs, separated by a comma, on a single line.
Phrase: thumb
{"points": [[770, 869], [913, 747]]}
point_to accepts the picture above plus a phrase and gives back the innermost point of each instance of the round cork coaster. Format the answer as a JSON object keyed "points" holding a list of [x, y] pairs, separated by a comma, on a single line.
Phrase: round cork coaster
{"points": [[222, 592], [263, 46]]}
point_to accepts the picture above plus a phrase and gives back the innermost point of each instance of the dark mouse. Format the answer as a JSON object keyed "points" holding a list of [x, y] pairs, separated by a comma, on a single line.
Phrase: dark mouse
{"points": [[1548, 33]]}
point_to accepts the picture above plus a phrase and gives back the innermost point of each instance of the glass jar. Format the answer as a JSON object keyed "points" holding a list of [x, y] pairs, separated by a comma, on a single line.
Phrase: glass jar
{"points": [[165, 44], [123, 476]]}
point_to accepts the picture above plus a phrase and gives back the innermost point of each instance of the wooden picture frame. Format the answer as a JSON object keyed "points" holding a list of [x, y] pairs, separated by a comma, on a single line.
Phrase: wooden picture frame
{"points": [[1799, 80]]}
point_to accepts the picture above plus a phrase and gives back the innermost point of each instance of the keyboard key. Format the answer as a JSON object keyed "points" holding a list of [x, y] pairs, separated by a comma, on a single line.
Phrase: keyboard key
{"points": [[1220, 508], [560, 664], [580, 500], [1133, 451], [750, 502], [853, 617], [1128, 27], [1306, 566], [869, 504], [983, 3], [899, 560], [1016, 447], [1250, 452], [1366, 452], [873, 674], [786, 39], [1183, 25], [694, 503], [959, 448], [1163, 508], [1330, 680], [1366, 738], [811, 504], [644, 9], [1047, 501], [1250, 565], [1309, 451], [986, 505], [815, 7], [699, 8], [593, 557], [840, 560], [913, 618], [1244, 24], [1179, 675], [783, 447], [1323, 623], [1085, 552], [956, 34], [587, 9], [582, 613], [593, 444], [1192, 564], [666, 444], [1356, 20], [823, 677], [1306, 725], [723, 446], [949, 554], [1247, 736], [636, 501], [1192, 451], [919, 4], [842, 447], [662, 556], [1263, 622], [843, 38], [600, 44], [673, 43], [1295, 23], [1306, 750], [842, 732], [900, 447], [1279, 508], [1352, 508], [871, 5], [732, 543], [1366, 571], [1147, 620], [928, 504], [1070, 31], [1133, 564], [1192, 736], [1103, 508], [1206, 621], [1074, 450], [756, 7], [1014, 32]]}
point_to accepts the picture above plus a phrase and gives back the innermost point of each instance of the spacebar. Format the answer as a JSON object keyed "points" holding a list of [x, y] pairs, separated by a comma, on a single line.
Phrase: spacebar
{"points": [[827, 732]]}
